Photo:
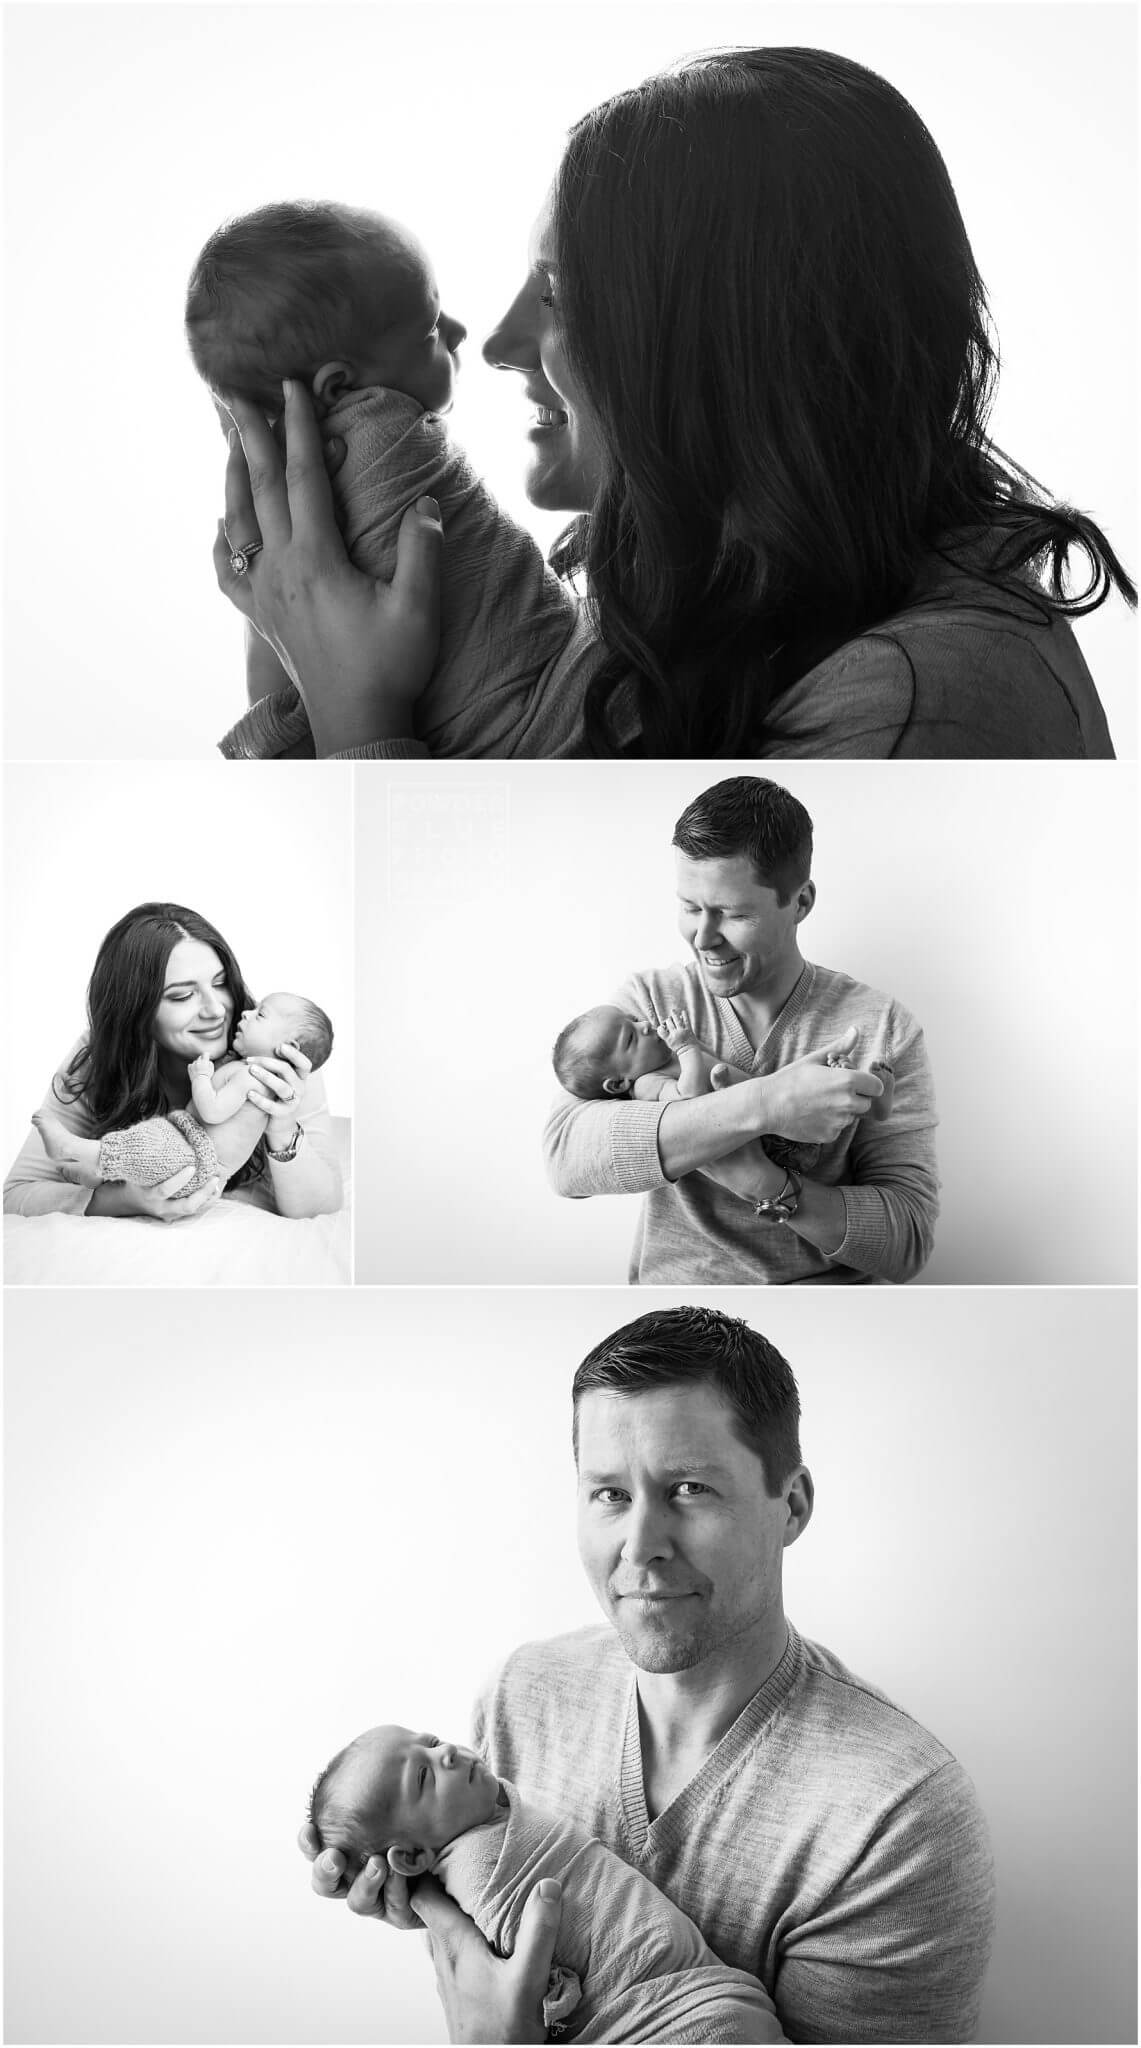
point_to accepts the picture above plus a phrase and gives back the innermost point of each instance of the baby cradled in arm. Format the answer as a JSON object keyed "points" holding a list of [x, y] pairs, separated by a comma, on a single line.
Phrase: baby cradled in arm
{"points": [[149, 1153], [606, 1052], [629, 1966]]}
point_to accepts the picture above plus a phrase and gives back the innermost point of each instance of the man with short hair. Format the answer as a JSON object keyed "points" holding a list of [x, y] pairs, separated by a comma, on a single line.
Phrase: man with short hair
{"points": [[789, 1174], [819, 1837]]}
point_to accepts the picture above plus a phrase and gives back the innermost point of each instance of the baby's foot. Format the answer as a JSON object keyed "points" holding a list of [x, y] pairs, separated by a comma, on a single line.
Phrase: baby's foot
{"points": [[677, 1031], [77, 1158], [881, 1107]]}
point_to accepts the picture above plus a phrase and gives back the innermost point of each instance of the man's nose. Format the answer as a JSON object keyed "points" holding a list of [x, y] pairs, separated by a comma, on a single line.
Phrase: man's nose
{"points": [[512, 344], [707, 934], [645, 1536]]}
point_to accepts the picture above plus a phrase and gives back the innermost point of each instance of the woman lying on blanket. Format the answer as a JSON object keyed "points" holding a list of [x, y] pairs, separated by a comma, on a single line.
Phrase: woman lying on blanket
{"points": [[165, 993]]}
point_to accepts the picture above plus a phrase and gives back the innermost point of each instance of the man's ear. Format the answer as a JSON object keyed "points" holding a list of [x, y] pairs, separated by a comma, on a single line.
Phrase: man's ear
{"points": [[330, 384], [615, 1085], [805, 898], [799, 1496], [410, 1862]]}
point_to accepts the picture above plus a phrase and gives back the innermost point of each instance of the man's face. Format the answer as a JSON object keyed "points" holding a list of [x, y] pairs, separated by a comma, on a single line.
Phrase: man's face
{"points": [[744, 938], [678, 1535]]}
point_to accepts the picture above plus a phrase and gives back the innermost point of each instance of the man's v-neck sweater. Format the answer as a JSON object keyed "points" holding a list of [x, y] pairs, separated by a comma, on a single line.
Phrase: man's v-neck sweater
{"points": [[693, 1228], [829, 1845]]}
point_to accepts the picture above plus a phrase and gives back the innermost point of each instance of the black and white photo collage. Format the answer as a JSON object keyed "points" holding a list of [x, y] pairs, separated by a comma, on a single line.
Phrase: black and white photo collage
{"points": [[570, 957]]}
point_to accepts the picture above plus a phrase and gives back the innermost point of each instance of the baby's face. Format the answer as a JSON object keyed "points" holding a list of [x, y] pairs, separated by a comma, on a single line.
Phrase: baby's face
{"points": [[269, 1024], [428, 1791], [404, 339], [624, 1047]]}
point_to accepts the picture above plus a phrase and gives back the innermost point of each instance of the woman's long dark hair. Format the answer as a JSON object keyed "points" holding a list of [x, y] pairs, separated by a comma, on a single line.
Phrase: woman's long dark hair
{"points": [[116, 1072], [767, 295]]}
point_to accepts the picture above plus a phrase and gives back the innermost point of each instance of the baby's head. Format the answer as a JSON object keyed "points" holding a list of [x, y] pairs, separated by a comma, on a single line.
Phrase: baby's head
{"points": [[406, 1796], [331, 295], [604, 1051], [284, 1019]]}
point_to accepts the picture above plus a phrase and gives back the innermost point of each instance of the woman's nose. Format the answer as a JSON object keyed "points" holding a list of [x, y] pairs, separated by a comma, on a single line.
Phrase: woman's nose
{"points": [[513, 343]]}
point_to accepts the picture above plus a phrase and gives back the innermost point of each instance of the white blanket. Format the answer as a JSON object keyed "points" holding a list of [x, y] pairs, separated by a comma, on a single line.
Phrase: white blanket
{"points": [[231, 1244]]}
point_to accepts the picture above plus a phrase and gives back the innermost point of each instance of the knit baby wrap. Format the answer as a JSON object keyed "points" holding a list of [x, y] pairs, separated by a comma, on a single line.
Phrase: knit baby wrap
{"points": [[505, 617], [629, 1966], [151, 1152]]}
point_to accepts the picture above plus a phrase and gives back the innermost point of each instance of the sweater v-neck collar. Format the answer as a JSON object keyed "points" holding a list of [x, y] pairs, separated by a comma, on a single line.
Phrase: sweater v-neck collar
{"points": [[743, 1052], [649, 1838]]}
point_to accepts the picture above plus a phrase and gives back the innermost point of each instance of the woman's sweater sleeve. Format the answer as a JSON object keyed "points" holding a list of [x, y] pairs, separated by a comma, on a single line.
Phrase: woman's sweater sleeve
{"points": [[35, 1185]]}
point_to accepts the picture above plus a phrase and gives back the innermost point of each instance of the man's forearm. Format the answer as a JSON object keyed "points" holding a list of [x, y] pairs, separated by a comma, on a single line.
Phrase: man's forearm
{"points": [[700, 1129]]}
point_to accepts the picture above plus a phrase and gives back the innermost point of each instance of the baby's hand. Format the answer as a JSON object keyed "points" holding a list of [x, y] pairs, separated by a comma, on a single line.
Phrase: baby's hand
{"points": [[677, 1031], [201, 1068]]}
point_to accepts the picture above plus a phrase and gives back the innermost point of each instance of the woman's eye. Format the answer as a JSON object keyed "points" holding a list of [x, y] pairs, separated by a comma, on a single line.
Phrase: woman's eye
{"points": [[546, 298]]}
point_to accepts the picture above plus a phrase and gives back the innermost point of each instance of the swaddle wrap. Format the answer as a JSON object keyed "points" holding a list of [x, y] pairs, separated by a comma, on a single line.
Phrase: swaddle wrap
{"points": [[642, 1970], [505, 617]]}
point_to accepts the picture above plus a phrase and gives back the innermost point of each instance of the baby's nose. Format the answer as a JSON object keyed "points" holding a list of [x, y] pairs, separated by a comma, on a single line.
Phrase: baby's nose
{"points": [[449, 1756]]}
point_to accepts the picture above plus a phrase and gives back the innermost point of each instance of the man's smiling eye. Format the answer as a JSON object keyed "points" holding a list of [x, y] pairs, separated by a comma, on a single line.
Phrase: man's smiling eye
{"points": [[689, 1487], [608, 1496]]}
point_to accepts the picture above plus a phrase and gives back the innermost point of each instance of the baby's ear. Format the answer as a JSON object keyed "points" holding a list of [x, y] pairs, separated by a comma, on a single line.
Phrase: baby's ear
{"points": [[410, 1862], [330, 384], [616, 1084]]}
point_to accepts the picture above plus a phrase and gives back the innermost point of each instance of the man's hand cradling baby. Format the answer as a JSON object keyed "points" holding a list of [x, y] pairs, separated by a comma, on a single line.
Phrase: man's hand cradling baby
{"points": [[376, 1892]]}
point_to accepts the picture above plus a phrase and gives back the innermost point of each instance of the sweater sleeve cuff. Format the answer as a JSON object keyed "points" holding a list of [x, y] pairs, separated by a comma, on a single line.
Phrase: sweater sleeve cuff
{"points": [[271, 727], [635, 1163], [865, 1244], [386, 750]]}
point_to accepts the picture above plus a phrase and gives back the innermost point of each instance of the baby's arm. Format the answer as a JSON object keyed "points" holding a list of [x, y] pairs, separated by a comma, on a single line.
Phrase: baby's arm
{"points": [[694, 1063], [217, 1097]]}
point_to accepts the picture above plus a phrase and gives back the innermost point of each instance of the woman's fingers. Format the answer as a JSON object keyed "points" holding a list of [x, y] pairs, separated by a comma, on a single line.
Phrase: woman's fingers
{"points": [[293, 1054], [310, 496], [419, 557], [178, 1180], [257, 499]]}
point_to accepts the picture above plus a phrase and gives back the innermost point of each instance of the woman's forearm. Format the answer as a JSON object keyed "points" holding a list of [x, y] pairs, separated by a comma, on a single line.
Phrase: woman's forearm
{"points": [[309, 1184]]}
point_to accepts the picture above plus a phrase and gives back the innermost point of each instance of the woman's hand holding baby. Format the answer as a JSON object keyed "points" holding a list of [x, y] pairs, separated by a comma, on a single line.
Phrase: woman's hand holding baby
{"points": [[359, 651], [281, 1079]]}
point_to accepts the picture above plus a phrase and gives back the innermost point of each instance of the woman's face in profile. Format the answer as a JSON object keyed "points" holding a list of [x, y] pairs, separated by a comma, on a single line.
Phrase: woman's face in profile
{"points": [[195, 1009], [564, 466]]}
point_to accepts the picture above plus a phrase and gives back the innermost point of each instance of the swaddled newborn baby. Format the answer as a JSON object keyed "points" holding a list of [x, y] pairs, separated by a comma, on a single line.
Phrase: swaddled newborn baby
{"points": [[345, 301], [629, 1966]]}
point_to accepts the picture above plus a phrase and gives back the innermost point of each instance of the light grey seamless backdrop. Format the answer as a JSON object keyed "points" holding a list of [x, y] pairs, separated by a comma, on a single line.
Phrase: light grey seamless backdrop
{"points": [[995, 900], [232, 1545], [131, 132]]}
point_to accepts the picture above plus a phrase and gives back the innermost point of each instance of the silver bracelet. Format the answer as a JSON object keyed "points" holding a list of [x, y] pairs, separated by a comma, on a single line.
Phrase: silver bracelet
{"points": [[290, 1151]]}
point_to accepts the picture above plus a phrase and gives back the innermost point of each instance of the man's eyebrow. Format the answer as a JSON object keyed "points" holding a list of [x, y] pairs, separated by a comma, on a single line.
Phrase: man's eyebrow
{"points": [[681, 1468]]}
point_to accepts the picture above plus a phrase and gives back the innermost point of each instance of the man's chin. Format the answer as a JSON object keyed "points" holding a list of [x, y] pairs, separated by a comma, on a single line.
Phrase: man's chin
{"points": [[648, 1651]]}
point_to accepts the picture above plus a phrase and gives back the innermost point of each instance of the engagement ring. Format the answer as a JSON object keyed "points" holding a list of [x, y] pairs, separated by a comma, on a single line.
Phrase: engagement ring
{"points": [[242, 557]]}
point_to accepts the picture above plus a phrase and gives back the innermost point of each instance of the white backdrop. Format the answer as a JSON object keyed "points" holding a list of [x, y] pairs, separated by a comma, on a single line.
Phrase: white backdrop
{"points": [[267, 859], [133, 131], [997, 901], [230, 1548]]}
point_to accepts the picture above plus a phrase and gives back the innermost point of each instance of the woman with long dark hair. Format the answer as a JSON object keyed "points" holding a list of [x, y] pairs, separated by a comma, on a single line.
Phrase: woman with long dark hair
{"points": [[759, 349], [166, 989]]}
